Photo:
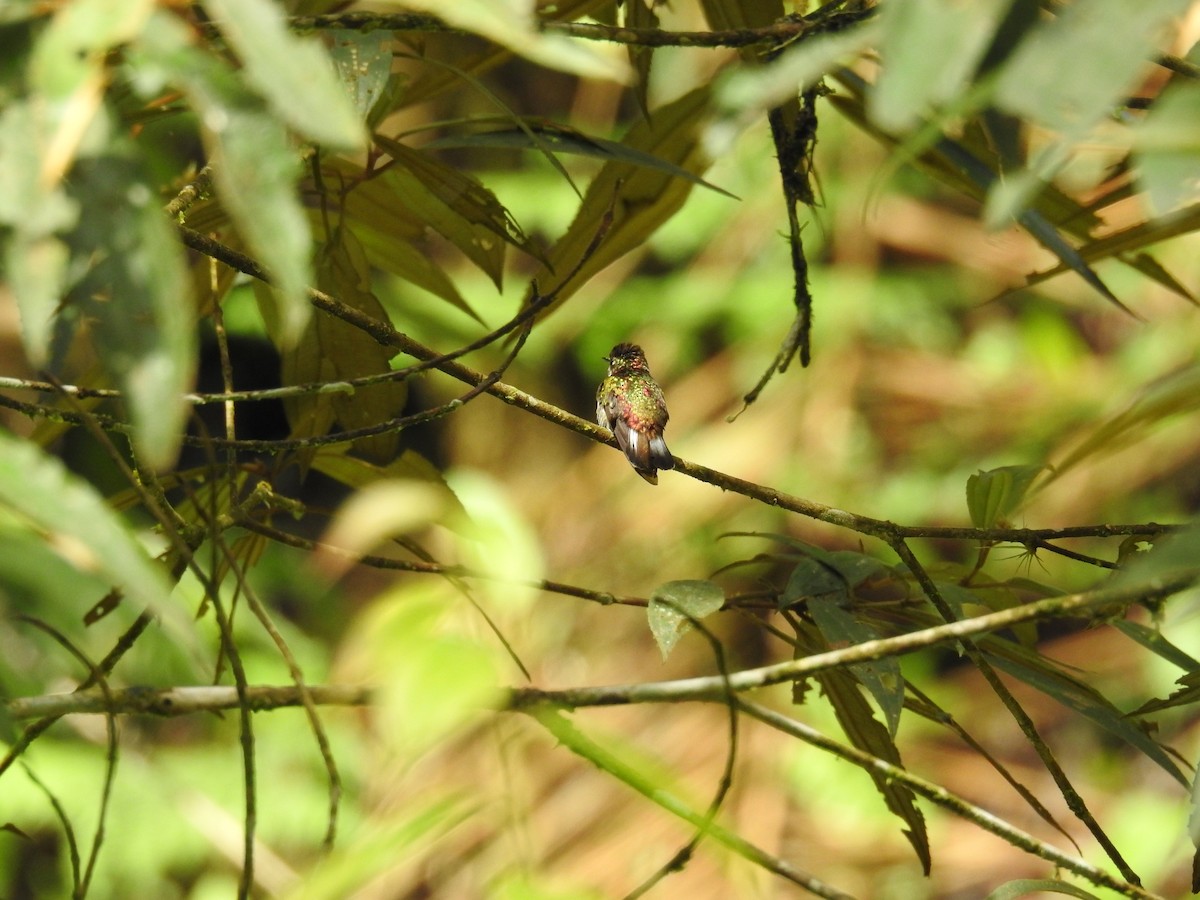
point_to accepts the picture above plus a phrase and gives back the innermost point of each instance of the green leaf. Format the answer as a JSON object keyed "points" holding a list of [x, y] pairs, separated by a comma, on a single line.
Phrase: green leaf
{"points": [[75, 521], [254, 164], [455, 205], [864, 732], [1076, 67], [363, 60], [331, 350], [293, 73], [913, 79], [560, 138], [136, 291], [1167, 149], [1072, 693], [640, 199], [994, 495], [1153, 640], [512, 24], [882, 678], [674, 604], [1023, 887]]}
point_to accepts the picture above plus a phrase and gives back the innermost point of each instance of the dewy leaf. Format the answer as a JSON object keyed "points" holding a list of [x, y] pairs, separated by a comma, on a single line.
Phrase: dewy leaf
{"points": [[673, 605], [293, 73], [76, 521], [135, 290], [254, 163], [363, 60]]}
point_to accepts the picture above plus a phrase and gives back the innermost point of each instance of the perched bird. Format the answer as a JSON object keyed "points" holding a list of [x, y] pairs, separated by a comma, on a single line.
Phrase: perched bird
{"points": [[630, 404]]}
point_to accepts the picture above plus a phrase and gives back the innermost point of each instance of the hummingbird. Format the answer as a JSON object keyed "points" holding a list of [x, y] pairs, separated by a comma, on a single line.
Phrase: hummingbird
{"points": [[630, 404]]}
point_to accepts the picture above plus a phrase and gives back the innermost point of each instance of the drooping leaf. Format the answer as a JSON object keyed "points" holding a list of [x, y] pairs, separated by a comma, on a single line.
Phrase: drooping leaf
{"points": [[882, 678], [331, 351], [674, 604], [1040, 673], [1175, 394], [513, 24], [457, 206], [75, 521], [640, 199], [864, 732], [293, 73]]}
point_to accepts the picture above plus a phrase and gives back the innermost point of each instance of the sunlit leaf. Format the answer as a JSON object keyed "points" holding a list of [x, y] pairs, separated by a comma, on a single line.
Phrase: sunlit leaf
{"points": [[513, 24], [913, 80], [1103, 44], [675, 604], [1167, 148], [293, 73], [76, 522]]}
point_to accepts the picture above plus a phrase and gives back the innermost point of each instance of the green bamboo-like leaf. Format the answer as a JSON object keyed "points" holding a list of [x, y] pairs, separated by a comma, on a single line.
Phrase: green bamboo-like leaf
{"points": [[512, 24], [456, 205], [1173, 395], [293, 73], [1186, 694], [1152, 639], [75, 521], [674, 604], [37, 215], [254, 164], [562, 139], [1040, 673], [882, 678], [864, 732], [640, 199]]}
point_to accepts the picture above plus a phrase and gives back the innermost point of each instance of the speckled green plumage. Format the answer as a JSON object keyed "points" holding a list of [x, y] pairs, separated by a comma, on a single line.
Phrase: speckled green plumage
{"points": [[630, 404]]}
